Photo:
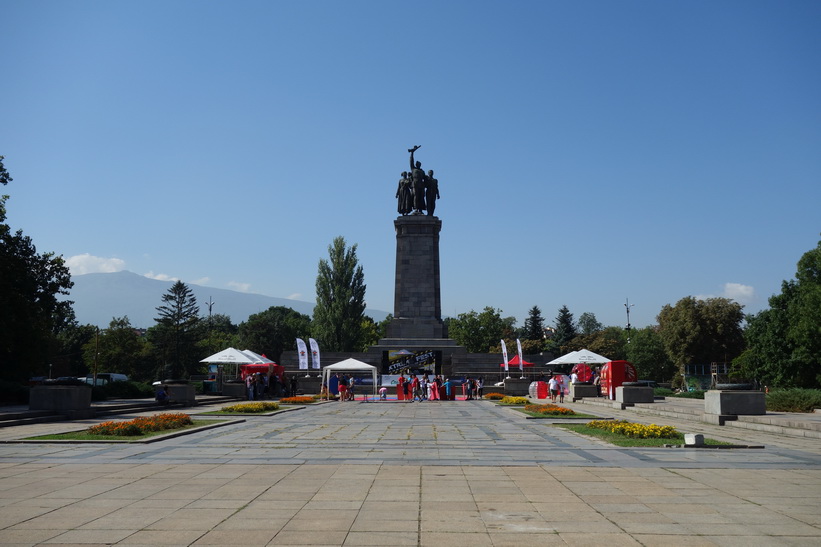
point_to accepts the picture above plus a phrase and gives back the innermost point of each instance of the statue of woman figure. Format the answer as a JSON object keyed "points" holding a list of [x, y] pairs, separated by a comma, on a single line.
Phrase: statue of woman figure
{"points": [[419, 182], [404, 195]]}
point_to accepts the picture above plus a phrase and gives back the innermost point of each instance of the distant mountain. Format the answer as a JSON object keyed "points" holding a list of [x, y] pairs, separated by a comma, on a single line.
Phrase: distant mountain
{"points": [[100, 297]]}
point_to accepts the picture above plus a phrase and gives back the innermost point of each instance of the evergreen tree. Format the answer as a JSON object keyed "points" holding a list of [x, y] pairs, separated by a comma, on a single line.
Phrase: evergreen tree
{"points": [[177, 331], [565, 331], [534, 325], [340, 300], [588, 324]]}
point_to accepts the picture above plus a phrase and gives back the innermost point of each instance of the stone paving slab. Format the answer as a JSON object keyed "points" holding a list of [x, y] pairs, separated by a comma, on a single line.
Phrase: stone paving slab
{"points": [[461, 473]]}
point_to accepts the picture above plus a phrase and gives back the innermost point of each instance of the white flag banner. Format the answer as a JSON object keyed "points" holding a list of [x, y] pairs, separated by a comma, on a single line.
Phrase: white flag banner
{"points": [[504, 354], [303, 354], [314, 352], [521, 361]]}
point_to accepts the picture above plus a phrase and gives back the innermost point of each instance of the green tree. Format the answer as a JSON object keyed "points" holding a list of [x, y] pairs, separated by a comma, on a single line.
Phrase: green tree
{"points": [[784, 341], [273, 331], [481, 332], [534, 325], [646, 352], [588, 324], [609, 342], [177, 331], [219, 333], [701, 331], [119, 348], [340, 300], [565, 331], [32, 315]]}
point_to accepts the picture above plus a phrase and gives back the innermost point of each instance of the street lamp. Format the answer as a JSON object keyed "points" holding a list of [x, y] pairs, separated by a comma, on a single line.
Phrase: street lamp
{"points": [[627, 307]]}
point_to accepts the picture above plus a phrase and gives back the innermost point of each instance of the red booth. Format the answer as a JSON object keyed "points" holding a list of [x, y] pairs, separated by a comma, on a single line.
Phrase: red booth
{"points": [[614, 374]]}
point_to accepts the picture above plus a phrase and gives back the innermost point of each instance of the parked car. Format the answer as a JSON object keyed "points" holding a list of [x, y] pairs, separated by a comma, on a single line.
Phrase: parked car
{"points": [[104, 378]]}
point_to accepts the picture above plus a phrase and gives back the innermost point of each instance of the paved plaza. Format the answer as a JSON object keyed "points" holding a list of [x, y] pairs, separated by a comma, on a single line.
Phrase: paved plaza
{"points": [[395, 473]]}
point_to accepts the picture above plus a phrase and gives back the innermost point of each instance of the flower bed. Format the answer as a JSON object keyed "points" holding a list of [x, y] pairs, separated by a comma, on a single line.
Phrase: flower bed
{"points": [[514, 401], [549, 410], [638, 431], [494, 396], [142, 425], [299, 400], [252, 408]]}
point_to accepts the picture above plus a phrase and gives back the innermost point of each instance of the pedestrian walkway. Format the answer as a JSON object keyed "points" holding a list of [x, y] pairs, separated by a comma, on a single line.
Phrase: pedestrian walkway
{"points": [[430, 473]]}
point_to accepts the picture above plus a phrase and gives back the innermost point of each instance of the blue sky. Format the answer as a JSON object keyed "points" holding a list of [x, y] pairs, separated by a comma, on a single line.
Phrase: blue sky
{"points": [[587, 152]]}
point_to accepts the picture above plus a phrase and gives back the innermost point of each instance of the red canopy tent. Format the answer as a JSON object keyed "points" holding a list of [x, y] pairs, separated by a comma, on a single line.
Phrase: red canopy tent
{"points": [[515, 362]]}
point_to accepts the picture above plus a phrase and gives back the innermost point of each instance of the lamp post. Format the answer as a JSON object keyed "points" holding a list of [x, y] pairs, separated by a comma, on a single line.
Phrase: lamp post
{"points": [[627, 307]]}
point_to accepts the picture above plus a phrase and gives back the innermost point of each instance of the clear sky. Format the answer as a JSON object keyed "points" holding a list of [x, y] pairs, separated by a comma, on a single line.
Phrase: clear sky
{"points": [[587, 152]]}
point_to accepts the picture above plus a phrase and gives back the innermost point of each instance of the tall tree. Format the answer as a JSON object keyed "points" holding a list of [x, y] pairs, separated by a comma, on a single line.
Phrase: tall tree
{"points": [[119, 348], [534, 325], [273, 331], [646, 352], [588, 324], [31, 314], [177, 331], [784, 341], [701, 331], [481, 332], [565, 331], [340, 300]]}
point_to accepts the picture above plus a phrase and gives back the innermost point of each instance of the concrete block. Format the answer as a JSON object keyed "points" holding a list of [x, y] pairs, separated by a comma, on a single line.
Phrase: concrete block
{"points": [[579, 391], [738, 403], [693, 439], [71, 401], [634, 394]]}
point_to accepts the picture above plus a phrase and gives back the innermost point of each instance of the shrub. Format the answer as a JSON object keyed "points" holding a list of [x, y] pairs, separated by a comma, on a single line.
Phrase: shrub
{"points": [[549, 410], [140, 425], [509, 400], [494, 396], [638, 431], [123, 390], [689, 395], [252, 408], [793, 400], [298, 400], [13, 393], [663, 392]]}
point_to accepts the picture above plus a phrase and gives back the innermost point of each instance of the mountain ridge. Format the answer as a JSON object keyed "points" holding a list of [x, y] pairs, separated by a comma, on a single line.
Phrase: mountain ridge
{"points": [[100, 297]]}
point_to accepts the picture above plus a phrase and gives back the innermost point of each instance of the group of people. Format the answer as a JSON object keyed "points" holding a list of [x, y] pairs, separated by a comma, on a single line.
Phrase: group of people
{"points": [[260, 386], [414, 388], [417, 191]]}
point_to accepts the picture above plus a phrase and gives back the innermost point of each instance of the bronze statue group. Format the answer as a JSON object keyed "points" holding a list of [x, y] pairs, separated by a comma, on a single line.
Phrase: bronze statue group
{"points": [[417, 192]]}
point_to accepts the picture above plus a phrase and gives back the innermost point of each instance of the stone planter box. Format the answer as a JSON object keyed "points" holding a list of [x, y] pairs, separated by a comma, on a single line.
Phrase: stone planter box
{"points": [[634, 394], [71, 401], [235, 390], [515, 387], [181, 393], [736, 403], [580, 391]]}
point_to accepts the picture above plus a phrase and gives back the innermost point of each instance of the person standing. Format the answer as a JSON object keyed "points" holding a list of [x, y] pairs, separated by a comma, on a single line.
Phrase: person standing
{"points": [[553, 386]]}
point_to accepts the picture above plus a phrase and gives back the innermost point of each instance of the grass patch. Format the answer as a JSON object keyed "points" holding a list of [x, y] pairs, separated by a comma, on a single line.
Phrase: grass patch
{"points": [[86, 436], [618, 439]]}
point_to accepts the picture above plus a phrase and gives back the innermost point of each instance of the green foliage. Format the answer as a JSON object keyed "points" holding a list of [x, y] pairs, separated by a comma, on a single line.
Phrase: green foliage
{"points": [[127, 390], [588, 324], [793, 400], [340, 300], [565, 331], [701, 331], [31, 313], [272, 331], [119, 348], [646, 352], [610, 341], [177, 331], [534, 326], [784, 342], [481, 332], [697, 394]]}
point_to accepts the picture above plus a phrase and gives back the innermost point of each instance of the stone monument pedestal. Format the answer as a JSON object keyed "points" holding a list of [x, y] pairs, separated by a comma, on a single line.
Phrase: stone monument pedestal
{"points": [[737, 403], [580, 391], [634, 394], [71, 401]]}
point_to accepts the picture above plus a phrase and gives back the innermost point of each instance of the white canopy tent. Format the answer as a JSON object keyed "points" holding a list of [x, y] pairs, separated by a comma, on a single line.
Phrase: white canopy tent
{"points": [[580, 356], [230, 355], [258, 359], [348, 366]]}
